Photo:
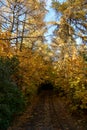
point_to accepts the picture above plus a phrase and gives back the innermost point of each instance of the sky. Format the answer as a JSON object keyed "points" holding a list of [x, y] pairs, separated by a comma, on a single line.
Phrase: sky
{"points": [[50, 16]]}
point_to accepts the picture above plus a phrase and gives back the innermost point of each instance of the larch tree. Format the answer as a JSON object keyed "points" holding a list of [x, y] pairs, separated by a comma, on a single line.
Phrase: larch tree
{"points": [[72, 27], [23, 19], [73, 22]]}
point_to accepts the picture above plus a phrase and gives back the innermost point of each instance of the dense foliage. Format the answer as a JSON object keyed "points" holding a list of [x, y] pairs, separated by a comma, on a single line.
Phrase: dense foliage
{"points": [[34, 70], [11, 98], [71, 65], [26, 61]]}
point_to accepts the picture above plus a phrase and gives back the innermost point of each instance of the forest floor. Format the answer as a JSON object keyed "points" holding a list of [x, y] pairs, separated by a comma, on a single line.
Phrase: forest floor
{"points": [[49, 112]]}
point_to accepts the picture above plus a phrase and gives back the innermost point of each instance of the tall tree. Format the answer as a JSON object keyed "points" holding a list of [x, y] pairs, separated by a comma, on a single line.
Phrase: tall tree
{"points": [[70, 65], [72, 25], [22, 18], [73, 13]]}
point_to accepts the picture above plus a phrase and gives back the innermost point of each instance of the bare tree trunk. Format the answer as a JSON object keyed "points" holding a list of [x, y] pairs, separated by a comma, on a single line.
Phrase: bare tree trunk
{"points": [[23, 30]]}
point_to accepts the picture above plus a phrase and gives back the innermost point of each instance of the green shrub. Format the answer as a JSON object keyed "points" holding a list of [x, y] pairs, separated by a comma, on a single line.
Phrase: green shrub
{"points": [[11, 98]]}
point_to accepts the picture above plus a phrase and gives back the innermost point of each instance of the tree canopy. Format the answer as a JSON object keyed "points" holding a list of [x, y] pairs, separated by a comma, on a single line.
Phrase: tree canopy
{"points": [[27, 60]]}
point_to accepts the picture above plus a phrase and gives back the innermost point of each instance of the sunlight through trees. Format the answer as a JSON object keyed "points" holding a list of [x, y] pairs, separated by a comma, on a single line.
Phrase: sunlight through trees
{"points": [[27, 60]]}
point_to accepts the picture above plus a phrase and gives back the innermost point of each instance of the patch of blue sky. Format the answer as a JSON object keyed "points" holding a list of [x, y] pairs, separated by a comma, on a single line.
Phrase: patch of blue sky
{"points": [[50, 16]]}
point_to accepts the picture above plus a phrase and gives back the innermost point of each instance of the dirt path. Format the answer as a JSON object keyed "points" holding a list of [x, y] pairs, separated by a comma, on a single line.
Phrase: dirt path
{"points": [[48, 113]]}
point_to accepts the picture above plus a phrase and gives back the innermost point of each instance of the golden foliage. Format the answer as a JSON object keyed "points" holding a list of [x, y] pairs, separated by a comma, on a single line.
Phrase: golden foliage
{"points": [[33, 71], [5, 49]]}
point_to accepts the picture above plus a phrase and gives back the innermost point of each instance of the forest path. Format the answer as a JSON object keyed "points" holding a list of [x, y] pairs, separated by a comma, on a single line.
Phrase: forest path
{"points": [[48, 113]]}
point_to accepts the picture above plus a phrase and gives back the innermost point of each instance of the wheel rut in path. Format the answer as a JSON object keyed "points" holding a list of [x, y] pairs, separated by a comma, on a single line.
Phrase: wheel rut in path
{"points": [[48, 114]]}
